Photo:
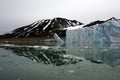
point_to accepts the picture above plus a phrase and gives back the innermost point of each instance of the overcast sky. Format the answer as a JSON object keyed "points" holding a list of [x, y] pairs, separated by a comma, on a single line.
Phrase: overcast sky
{"points": [[17, 13]]}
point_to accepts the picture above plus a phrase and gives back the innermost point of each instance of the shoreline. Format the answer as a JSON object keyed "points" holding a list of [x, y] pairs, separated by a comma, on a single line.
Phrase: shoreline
{"points": [[29, 41]]}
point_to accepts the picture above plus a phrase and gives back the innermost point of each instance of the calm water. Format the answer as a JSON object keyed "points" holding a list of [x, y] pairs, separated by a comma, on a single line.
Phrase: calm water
{"points": [[85, 62]]}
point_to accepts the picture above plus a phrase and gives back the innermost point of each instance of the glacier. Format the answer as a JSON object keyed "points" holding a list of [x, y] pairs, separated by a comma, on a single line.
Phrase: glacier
{"points": [[99, 43], [105, 33]]}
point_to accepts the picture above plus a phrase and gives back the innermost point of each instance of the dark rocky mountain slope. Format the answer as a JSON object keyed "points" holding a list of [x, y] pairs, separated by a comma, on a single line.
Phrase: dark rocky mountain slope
{"points": [[43, 28]]}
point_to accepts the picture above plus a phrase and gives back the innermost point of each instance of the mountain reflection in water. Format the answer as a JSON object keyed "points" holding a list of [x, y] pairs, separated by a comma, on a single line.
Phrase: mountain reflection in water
{"points": [[96, 53], [55, 56]]}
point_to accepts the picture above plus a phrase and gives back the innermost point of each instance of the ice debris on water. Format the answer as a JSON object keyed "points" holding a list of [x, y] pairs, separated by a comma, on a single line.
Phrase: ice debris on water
{"points": [[105, 50], [45, 47], [18, 79], [73, 57], [71, 71], [0, 69], [96, 61]]}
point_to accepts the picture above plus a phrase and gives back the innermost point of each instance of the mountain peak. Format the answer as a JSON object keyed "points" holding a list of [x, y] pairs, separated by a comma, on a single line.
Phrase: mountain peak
{"points": [[100, 22], [113, 18], [43, 28], [94, 23]]}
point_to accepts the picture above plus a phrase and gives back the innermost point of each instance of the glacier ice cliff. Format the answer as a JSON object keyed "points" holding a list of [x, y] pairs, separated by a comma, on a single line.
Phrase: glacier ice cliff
{"points": [[106, 32], [98, 42]]}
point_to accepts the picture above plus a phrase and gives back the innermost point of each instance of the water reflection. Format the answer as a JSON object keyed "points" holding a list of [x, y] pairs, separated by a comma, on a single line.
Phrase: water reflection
{"points": [[108, 53], [55, 56]]}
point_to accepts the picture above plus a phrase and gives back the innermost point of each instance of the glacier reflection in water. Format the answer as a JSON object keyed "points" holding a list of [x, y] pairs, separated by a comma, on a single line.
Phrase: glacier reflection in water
{"points": [[108, 53]]}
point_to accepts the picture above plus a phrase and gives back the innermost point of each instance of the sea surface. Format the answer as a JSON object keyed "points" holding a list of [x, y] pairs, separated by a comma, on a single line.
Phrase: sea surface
{"points": [[42, 62]]}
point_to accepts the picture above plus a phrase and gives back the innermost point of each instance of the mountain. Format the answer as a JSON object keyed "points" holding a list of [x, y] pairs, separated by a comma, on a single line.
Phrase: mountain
{"points": [[100, 22], [43, 28], [96, 32], [94, 23]]}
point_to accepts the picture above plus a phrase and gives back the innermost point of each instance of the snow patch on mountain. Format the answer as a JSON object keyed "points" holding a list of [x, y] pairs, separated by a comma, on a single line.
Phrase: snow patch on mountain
{"points": [[47, 25], [76, 27]]}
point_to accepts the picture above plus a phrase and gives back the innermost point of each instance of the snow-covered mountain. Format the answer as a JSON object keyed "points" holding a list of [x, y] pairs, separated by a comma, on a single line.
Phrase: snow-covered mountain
{"points": [[99, 31], [43, 28]]}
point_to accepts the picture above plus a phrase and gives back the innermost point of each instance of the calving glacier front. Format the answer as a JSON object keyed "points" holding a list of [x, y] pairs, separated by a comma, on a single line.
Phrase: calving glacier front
{"points": [[105, 32]]}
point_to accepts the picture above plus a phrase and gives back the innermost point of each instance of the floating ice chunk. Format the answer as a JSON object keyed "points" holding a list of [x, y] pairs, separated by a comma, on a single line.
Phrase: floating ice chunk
{"points": [[71, 71], [72, 56], [105, 49], [18, 79], [36, 46], [9, 45], [99, 61], [82, 49], [86, 46], [0, 69], [59, 40], [45, 47], [96, 61]]}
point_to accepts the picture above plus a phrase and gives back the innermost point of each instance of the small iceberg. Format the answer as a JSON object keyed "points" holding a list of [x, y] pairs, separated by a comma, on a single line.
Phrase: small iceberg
{"points": [[59, 40]]}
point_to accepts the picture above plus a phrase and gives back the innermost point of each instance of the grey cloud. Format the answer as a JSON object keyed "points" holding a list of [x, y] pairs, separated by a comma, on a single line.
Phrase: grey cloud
{"points": [[16, 13]]}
